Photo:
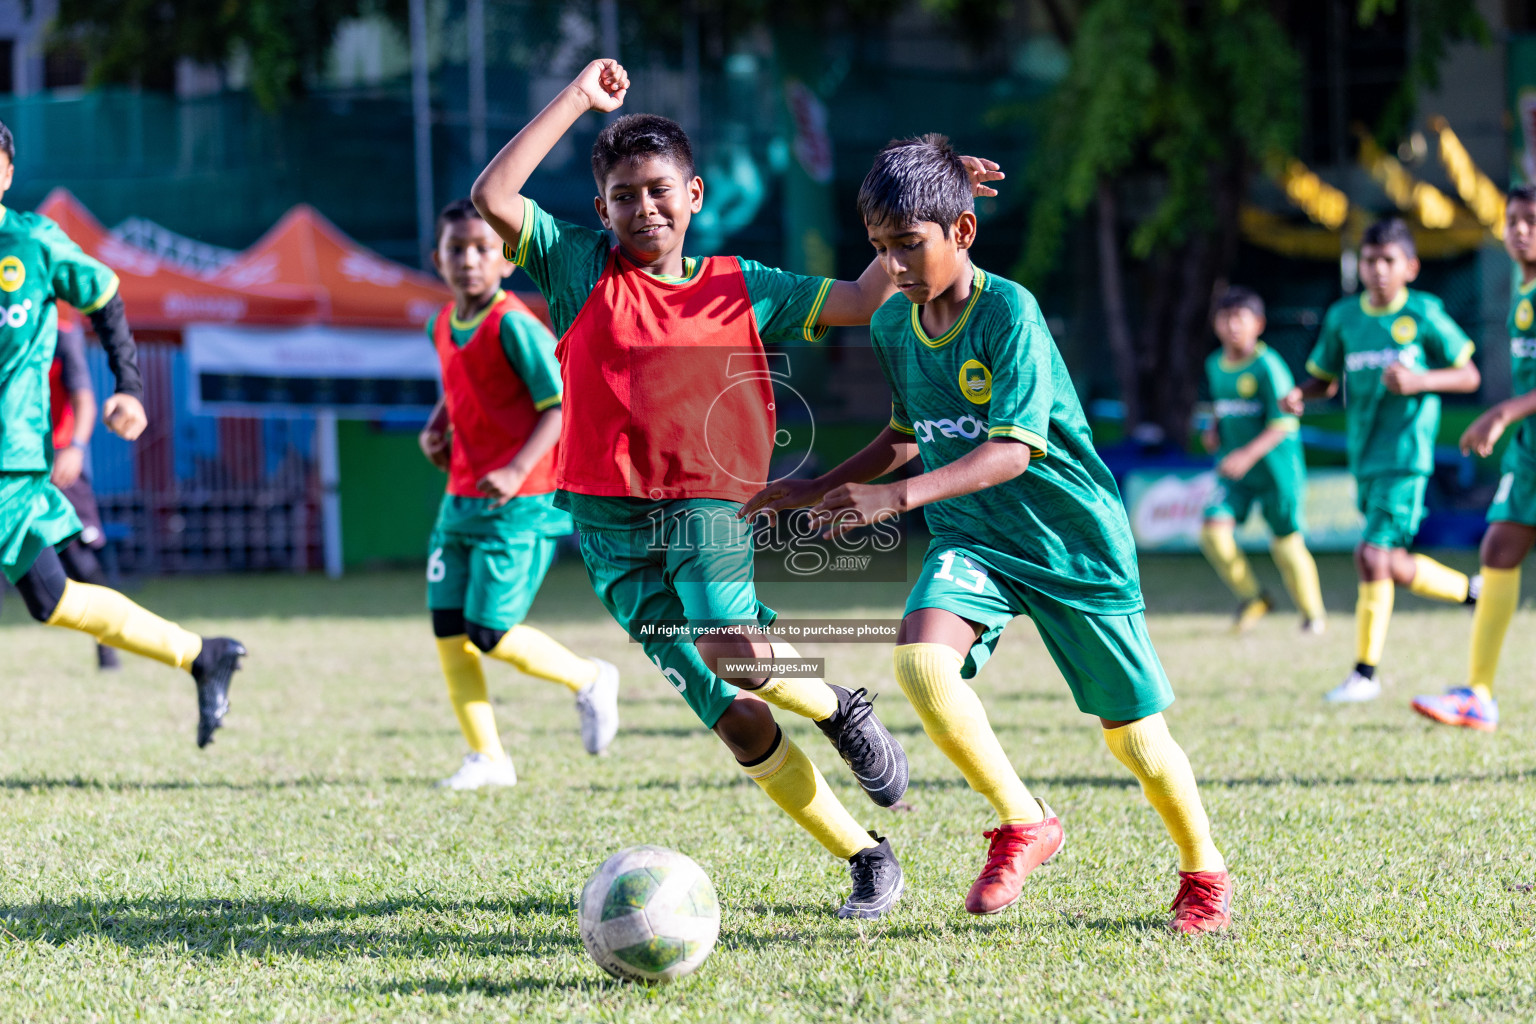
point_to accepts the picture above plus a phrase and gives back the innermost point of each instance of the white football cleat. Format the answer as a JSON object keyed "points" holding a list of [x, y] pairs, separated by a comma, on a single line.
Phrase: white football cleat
{"points": [[598, 705], [1314, 627], [1357, 689], [479, 771]]}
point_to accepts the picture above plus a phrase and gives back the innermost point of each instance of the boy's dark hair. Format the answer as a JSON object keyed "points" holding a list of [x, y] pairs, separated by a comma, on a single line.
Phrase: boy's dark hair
{"points": [[1391, 231], [1238, 297], [1518, 194], [453, 213], [915, 180], [635, 135], [7, 143]]}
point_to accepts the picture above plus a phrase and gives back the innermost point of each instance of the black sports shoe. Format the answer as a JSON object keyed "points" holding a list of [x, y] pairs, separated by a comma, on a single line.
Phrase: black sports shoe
{"points": [[877, 881], [867, 746], [107, 659], [218, 661]]}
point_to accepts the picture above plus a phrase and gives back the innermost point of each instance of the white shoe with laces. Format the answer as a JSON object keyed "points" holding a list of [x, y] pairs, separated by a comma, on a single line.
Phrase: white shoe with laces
{"points": [[1357, 689], [598, 705], [479, 771]]}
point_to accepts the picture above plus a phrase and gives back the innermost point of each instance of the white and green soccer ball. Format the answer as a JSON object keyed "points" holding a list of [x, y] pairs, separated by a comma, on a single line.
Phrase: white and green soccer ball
{"points": [[649, 914]]}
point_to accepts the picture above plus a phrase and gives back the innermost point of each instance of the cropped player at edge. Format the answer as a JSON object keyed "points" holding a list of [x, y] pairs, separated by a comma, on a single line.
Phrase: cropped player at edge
{"points": [[1396, 349], [1026, 520], [1261, 461], [648, 339], [1512, 516], [39, 266], [496, 431]]}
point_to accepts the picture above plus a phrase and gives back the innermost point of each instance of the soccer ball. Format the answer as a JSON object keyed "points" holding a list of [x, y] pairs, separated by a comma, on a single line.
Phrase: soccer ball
{"points": [[649, 914]]}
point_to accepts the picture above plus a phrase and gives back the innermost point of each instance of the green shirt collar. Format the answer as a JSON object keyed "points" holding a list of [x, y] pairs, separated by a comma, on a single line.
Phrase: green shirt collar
{"points": [[1390, 308]]}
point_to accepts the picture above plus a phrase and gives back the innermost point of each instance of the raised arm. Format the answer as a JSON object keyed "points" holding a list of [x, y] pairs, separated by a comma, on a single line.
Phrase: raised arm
{"points": [[498, 192]]}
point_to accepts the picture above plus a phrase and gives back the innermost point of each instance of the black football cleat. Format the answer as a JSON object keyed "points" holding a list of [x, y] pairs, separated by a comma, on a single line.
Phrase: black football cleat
{"points": [[867, 746], [107, 659], [877, 881], [215, 666]]}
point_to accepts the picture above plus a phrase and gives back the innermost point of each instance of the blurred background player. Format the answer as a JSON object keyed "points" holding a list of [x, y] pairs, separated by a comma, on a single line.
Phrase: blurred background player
{"points": [[1512, 516], [39, 266], [1396, 350], [1025, 518], [496, 430], [1261, 461]]}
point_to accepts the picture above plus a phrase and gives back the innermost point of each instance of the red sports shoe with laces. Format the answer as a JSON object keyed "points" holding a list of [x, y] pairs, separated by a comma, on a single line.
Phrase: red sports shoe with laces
{"points": [[1204, 902], [1016, 850]]}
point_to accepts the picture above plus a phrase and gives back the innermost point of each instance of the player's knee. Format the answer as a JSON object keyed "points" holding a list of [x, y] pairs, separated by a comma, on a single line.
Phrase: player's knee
{"points": [[483, 637], [447, 622], [43, 586], [747, 728]]}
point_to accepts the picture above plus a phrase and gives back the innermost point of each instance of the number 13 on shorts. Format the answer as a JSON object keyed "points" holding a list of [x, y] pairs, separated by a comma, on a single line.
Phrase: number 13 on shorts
{"points": [[970, 577]]}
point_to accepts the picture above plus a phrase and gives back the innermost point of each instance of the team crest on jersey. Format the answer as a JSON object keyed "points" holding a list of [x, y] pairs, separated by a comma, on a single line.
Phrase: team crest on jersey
{"points": [[975, 382], [12, 274], [1247, 387], [1404, 329], [1524, 315]]}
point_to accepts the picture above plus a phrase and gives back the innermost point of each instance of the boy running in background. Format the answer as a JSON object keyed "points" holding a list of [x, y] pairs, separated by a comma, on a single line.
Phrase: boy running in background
{"points": [[1261, 461], [1396, 350], [650, 344], [1512, 516], [496, 431], [1025, 518], [39, 266]]}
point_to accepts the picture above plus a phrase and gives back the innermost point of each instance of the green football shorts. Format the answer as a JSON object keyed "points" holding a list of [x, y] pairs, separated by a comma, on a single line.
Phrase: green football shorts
{"points": [[1107, 660], [1393, 507], [34, 515], [1279, 502], [1515, 500], [692, 569], [493, 579]]}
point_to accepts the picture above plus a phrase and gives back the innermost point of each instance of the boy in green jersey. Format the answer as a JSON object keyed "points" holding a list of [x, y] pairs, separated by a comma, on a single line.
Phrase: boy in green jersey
{"points": [[1026, 520], [40, 266], [1261, 461], [1395, 350], [1512, 516], [495, 432]]}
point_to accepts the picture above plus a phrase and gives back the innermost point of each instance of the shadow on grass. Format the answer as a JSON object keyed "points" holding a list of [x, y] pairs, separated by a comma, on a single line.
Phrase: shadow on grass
{"points": [[221, 928], [491, 987], [1128, 782]]}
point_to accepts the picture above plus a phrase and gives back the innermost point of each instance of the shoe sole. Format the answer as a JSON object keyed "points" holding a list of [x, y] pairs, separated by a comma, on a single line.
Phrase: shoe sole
{"points": [[1054, 854], [1465, 723], [869, 914]]}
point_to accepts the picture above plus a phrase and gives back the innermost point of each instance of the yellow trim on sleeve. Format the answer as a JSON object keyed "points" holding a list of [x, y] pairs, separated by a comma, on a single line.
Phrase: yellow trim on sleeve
{"points": [[1465, 357], [1036, 443], [105, 298], [522, 236], [810, 330], [1285, 423], [548, 403], [1319, 372], [902, 428]]}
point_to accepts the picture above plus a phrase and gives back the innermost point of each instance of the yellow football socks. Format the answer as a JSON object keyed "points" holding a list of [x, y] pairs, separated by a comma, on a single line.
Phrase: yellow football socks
{"points": [[466, 690], [116, 621], [1221, 550], [1490, 621], [1299, 571], [1438, 582], [1168, 783], [954, 719], [539, 654], [792, 781], [806, 696], [1373, 614]]}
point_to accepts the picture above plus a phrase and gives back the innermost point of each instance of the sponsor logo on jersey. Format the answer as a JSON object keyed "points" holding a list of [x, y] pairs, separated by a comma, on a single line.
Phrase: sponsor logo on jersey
{"points": [[12, 274], [1247, 386], [968, 427], [1404, 329], [1381, 358], [16, 316], [1238, 407], [1524, 315], [975, 382], [1522, 348]]}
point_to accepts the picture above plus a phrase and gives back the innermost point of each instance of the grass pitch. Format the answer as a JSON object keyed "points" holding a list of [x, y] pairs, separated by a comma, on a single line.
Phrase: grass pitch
{"points": [[303, 869]]}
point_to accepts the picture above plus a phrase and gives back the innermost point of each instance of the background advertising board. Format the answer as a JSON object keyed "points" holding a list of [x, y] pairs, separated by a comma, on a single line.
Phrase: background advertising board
{"points": [[1167, 507]]}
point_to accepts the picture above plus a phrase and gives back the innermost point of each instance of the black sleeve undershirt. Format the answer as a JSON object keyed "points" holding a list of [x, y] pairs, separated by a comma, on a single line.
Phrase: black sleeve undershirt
{"points": [[111, 325]]}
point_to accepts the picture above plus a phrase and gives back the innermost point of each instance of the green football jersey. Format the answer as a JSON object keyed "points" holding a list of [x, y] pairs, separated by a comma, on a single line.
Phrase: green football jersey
{"points": [[1388, 433], [39, 265], [1246, 399], [1060, 526], [1522, 357]]}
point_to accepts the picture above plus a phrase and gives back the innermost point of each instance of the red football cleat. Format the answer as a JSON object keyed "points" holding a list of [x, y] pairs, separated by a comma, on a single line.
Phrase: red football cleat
{"points": [[1016, 850], [1204, 902]]}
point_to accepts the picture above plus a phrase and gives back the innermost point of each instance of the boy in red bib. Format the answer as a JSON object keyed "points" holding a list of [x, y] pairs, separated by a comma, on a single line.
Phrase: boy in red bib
{"points": [[496, 431], [662, 443]]}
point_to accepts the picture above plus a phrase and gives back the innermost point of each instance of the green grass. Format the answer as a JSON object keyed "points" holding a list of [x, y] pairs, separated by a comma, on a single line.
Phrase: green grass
{"points": [[303, 869]]}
